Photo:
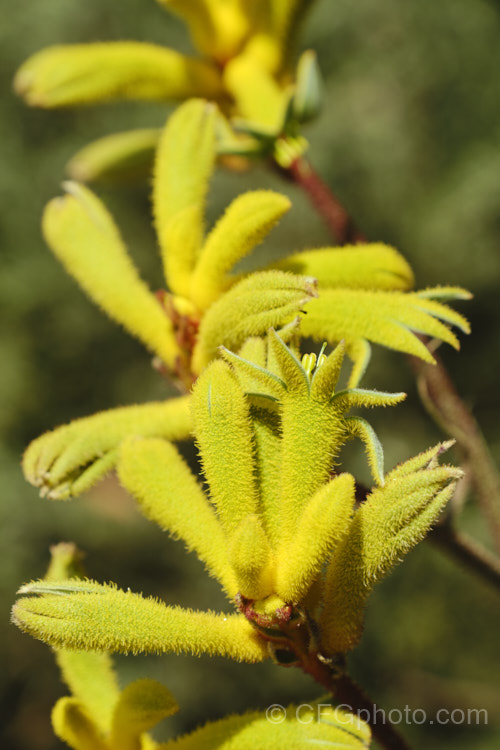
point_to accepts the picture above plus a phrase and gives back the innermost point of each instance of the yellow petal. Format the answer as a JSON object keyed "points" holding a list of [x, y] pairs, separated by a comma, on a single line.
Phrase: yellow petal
{"points": [[82, 234], [326, 375], [73, 725], [140, 707], [251, 558], [168, 493], [247, 221], [87, 615], [73, 457], [254, 379], [224, 436], [118, 157], [312, 436], [218, 29], [184, 164], [391, 521], [387, 318], [259, 99], [287, 365], [267, 466], [69, 75], [323, 523], [250, 308], [426, 460], [373, 266]]}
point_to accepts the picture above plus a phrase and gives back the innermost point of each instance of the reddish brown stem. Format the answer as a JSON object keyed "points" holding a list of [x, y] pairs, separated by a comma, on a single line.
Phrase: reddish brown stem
{"points": [[294, 638], [327, 205], [347, 694], [351, 697]]}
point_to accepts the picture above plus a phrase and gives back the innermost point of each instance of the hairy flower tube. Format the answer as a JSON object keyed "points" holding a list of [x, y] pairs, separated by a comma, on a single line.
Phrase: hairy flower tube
{"points": [[99, 716], [363, 295], [278, 528], [245, 65]]}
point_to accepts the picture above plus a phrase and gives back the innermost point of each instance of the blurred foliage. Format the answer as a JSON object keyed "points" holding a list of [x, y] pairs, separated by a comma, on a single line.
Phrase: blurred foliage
{"points": [[409, 140]]}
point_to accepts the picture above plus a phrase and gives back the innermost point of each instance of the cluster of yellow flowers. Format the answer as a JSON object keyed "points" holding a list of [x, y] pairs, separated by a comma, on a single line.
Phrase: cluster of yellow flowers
{"points": [[278, 526]]}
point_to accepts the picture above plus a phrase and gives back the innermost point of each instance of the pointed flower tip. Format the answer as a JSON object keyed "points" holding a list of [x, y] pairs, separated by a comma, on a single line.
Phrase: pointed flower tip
{"points": [[24, 86], [61, 492], [27, 588], [73, 187], [22, 82], [311, 286], [445, 446], [79, 170], [69, 586], [455, 473], [459, 292], [445, 292], [55, 205]]}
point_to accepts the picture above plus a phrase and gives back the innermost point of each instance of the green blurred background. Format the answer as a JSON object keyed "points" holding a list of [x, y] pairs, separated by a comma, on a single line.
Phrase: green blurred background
{"points": [[409, 139]]}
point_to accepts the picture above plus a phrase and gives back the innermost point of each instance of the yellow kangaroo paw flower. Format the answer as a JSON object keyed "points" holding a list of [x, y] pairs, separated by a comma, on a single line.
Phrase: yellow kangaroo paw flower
{"points": [[323, 523], [387, 318], [73, 724], [87, 615], [224, 435], [168, 493], [250, 308], [76, 74], [247, 221], [391, 521], [184, 164], [73, 457], [118, 157], [373, 266], [141, 705], [251, 559], [82, 234]]}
